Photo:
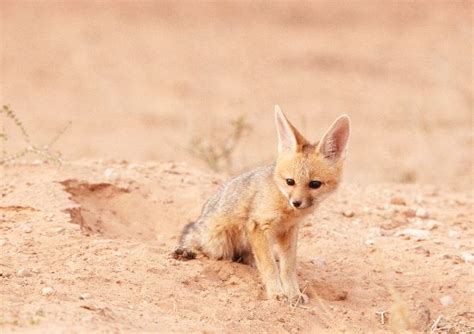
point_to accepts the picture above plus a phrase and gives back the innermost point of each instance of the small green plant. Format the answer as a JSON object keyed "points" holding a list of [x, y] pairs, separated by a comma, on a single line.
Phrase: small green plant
{"points": [[217, 152], [43, 151]]}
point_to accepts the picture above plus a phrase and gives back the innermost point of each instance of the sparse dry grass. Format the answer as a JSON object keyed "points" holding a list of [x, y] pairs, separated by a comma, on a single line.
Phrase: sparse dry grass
{"points": [[217, 153], [43, 151], [454, 325]]}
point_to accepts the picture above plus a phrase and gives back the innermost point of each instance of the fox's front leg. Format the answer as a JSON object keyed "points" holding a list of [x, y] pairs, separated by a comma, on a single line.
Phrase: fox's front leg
{"points": [[285, 247], [265, 260]]}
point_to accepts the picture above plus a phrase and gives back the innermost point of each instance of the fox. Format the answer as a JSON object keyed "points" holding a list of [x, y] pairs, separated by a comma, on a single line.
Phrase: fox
{"points": [[254, 218]]}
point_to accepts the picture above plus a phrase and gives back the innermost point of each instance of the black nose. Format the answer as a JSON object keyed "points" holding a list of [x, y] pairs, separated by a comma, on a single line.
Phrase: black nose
{"points": [[296, 204]]}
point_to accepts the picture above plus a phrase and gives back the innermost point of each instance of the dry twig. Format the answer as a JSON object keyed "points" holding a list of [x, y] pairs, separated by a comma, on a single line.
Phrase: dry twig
{"points": [[42, 151]]}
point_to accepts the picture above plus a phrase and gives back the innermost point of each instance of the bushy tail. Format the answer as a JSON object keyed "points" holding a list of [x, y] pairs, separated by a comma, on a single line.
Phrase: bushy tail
{"points": [[182, 252]]}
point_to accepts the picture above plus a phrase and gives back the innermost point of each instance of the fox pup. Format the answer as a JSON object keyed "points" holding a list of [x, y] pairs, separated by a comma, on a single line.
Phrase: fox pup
{"points": [[254, 217]]}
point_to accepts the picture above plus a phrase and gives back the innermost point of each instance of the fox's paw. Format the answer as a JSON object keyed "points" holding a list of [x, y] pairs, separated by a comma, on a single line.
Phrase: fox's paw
{"points": [[183, 254], [299, 299], [277, 296]]}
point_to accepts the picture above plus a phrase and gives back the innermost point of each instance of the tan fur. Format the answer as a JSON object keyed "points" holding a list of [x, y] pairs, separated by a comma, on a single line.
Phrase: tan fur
{"points": [[252, 218]]}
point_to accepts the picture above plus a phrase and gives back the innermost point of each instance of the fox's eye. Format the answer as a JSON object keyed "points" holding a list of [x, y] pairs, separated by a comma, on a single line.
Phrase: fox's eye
{"points": [[290, 182], [315, 184]]}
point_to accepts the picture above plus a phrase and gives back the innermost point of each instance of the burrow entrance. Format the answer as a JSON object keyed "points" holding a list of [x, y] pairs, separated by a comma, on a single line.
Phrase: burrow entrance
{"points": [[114, 212]]}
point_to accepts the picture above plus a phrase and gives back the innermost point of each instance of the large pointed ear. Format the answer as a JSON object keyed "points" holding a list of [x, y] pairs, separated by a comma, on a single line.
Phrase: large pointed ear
{"points": [[289, 139], [333, 144]]}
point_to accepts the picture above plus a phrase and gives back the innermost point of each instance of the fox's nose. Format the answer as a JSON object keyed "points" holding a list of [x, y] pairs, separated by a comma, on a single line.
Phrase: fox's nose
{"points": [[296, 204]]}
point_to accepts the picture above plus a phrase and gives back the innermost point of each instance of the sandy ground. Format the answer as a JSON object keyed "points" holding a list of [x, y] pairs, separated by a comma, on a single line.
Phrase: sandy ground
{"points": [[84, 247], [100, 235]]}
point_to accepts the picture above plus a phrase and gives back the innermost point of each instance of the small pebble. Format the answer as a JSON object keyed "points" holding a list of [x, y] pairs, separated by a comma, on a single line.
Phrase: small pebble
{"points": [[446, 300], [421, 250], [366, 209], [409, 213], [412, 232], [84, 296], [48, 291], [432, 224], [422, 213], [467, 257], [3, 242], [456, 259], [59, 229], [23, 272], [348, 213], [453, 234], [397, 201], [369, 242], [27, 229], [357, 221], [110, 174]]}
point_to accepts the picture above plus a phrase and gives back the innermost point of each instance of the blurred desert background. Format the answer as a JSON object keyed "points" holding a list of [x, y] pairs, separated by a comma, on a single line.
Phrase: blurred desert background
{"points": [[149, 88], [141, 80]]}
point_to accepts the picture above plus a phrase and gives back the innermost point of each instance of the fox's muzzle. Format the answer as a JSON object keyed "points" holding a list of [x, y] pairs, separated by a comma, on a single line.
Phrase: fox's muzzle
{"points": [[299, 204]]}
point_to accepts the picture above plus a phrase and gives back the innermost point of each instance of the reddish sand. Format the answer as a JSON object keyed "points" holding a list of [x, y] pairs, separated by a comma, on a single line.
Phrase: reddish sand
{"points": [[78, 232], [85, 247]]}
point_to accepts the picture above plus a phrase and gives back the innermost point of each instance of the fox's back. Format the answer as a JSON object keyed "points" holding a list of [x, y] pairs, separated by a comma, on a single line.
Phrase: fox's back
{"points": [[236, 198]]}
